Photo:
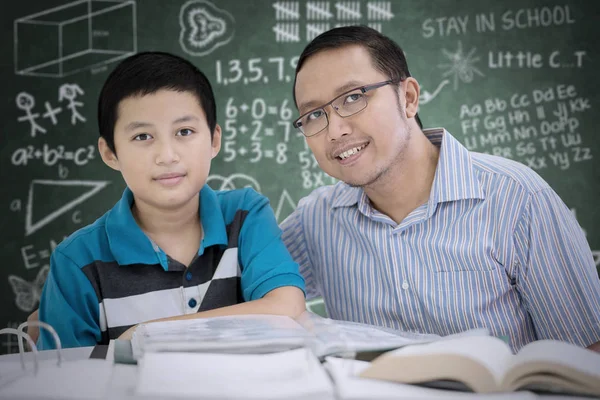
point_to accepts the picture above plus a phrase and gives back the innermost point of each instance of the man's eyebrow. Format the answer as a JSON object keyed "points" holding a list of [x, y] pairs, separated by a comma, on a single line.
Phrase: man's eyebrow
{"points": [[309, 105]]}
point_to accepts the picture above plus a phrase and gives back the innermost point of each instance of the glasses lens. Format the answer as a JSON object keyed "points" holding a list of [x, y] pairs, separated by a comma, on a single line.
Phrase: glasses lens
{"points": [[350, 103], [314, 122]]}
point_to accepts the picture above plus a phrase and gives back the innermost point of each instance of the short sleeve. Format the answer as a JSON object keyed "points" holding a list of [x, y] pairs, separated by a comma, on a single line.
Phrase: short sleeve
{"points": [[266, 263], [69, 304]]}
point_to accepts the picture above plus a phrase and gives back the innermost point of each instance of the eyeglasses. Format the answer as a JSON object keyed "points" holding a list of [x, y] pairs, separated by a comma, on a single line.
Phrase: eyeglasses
{"points": [[345, 105]]}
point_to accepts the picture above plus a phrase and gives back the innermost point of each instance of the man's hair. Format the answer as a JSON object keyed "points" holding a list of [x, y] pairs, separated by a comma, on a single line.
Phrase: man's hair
{"points": [[386, 55], [147, 73]]}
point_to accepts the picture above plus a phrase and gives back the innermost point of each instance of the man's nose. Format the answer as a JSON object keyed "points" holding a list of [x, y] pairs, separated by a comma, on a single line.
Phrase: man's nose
{"points": [[338, 126]]}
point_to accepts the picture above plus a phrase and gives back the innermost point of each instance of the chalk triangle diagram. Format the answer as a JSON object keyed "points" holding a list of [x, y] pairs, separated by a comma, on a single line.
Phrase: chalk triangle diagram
{"points": [[31, 227], [596, 254], [284, 201]]}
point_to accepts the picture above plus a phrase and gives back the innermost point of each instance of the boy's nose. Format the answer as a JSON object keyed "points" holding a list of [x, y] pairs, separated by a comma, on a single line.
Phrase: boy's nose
{"points": [[167, 153]]}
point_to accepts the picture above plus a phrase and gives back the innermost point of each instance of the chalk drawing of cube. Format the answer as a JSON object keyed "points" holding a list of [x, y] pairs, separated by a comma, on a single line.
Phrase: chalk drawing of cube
{"points": [[76, 36]]}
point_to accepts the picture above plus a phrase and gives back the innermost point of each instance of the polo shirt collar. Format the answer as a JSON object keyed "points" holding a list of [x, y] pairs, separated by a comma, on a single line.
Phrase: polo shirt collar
{"points": [[130, 245]]}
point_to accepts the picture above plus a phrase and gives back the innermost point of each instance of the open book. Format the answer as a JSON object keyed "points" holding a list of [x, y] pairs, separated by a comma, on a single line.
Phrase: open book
{"points": [[255, 334], [486, 364]]}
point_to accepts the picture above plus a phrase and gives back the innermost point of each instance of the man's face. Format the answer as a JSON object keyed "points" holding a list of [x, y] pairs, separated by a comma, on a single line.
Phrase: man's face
{"points": [[379, 132], [163, 146]]}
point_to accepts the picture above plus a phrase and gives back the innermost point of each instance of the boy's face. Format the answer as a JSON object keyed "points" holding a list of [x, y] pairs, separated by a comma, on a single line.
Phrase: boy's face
{"points": [[163, 147]]}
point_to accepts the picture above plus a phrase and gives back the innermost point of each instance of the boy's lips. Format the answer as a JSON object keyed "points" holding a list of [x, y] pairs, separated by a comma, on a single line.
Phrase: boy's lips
{"points": [[170, 179]]}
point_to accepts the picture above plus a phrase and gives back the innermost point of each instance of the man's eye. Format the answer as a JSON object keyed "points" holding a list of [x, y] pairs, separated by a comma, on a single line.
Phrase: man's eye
{"points": [[142, 136], [184, 132], [314, 115], [353, 98]]}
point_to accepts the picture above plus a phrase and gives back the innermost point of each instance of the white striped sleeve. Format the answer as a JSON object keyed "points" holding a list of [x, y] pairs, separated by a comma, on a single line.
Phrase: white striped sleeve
{"points": [[295, 241], [557, 276]]}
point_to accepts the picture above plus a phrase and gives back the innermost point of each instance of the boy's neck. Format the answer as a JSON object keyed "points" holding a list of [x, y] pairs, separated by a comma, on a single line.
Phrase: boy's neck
{"points": [[161, 224]]}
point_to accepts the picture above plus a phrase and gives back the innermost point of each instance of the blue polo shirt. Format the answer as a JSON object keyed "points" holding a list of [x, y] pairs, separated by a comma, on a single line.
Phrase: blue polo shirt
{"points": [[109, 276]]}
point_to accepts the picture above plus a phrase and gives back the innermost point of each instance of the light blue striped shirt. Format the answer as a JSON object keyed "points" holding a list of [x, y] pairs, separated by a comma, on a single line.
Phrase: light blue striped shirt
{"points": [[493, 247]]}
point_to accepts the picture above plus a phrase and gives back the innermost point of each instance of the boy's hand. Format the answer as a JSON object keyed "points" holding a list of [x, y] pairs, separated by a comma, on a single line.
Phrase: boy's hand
{"points": [[127, 334], [33, 331]]}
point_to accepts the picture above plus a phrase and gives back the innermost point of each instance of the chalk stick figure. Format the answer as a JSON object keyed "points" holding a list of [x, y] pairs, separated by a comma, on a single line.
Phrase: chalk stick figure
{"points": [[70, 91], [26, 102]]}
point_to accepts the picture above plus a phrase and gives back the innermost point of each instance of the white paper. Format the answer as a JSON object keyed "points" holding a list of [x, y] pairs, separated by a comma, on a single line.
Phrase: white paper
{"points": [[81, 379], [294, 374]]}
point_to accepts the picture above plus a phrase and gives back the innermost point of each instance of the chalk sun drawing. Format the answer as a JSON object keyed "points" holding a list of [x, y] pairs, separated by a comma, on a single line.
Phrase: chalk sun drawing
{"points": [[204, 27], [462, 66]]}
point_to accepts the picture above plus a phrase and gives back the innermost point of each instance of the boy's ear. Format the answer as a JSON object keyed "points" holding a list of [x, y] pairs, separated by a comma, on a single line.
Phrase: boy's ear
{"points": [[108, 156], [216, 141], [412, 91]]}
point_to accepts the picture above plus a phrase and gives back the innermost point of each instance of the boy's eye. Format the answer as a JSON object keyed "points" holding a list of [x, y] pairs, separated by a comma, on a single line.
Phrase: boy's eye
{"points": [[184, 132], [142, 136]]}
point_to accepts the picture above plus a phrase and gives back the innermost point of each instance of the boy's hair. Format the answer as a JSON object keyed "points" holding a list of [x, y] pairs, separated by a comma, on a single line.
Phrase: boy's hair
{"points": [[386, 55], [146, 73]]}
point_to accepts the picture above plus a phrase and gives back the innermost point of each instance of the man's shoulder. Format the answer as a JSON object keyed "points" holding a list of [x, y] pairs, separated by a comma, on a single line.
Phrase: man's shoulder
{"points": [[326, 195], [87, 244], [510, 171]]}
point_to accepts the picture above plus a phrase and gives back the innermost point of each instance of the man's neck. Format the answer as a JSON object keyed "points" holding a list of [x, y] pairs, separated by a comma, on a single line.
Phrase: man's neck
{"points": [[408, 184]]}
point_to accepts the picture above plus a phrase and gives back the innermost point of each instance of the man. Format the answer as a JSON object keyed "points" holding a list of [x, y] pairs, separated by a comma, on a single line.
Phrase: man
{"points": [[422, 234]]}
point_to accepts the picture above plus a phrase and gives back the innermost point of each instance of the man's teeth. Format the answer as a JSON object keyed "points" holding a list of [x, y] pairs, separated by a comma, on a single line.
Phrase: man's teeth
{"points": [[351, 152]]}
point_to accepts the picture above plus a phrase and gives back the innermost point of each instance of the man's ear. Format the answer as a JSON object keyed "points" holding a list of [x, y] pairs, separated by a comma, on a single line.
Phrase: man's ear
{"points": [[216, 141], [411, 96], [108, 156]]}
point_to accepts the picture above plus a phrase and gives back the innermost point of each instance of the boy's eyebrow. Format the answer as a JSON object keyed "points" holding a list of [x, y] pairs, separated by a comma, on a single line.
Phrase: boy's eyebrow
{"points": [[139, 124], [185, 118]]}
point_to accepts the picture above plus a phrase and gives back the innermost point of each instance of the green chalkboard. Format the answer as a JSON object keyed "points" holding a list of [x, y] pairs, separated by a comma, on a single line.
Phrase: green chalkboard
{"points": [[517, 78]]}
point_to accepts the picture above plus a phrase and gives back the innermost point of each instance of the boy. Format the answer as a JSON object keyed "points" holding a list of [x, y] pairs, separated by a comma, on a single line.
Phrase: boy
{"points": [[171, 248]]}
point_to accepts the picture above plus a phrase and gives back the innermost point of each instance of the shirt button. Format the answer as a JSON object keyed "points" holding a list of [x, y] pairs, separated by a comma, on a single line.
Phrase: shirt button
{"points": [[405, 285], [192, 303], [188, 276]]}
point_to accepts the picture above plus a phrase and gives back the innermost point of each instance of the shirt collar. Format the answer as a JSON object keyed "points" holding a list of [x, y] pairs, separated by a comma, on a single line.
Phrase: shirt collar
{"points": [[454, 179], [130, 245]]}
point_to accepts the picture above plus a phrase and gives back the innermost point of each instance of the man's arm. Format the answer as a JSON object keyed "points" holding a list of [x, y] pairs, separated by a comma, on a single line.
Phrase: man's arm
{"points": [[555, 272]]}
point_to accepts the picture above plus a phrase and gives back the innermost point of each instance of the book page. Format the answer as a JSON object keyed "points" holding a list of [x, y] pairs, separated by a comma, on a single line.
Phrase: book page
{"points": [[350, 386], [476, 361], [492, 353], [238, 334], [568, 362], [293, 374]]}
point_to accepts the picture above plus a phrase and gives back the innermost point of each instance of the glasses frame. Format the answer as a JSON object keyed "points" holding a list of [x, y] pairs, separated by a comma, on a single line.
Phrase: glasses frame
{"points": [[364, 89]]}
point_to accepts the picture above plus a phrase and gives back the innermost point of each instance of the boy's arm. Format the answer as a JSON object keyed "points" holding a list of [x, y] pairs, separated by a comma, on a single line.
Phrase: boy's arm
{"points": [[68, 303], [271, 283], [287, 300]]}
